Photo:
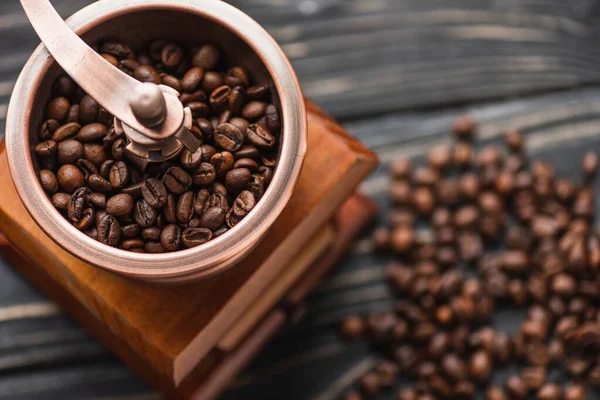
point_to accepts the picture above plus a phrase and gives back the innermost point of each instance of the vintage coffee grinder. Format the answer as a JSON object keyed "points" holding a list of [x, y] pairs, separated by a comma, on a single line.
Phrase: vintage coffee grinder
{"points": [[194, 336]]}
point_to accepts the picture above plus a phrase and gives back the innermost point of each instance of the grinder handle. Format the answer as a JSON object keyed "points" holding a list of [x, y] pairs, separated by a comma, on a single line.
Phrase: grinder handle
{"points": [[108, 85]]}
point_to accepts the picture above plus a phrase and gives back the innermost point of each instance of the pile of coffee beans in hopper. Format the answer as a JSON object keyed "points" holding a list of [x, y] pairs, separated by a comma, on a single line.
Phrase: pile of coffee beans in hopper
{"points": [[504, 233], [177, 204]]}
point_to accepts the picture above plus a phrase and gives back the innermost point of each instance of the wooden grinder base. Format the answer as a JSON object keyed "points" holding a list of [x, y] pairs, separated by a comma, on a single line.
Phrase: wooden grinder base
{"points": [[192, 339]]}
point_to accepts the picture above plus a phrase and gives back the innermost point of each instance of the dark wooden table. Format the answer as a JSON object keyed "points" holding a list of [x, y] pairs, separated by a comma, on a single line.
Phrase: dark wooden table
{"points": [[395, 72]]}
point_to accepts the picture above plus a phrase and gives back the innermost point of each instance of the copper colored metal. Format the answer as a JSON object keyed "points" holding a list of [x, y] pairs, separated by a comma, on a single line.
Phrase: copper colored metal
{"points": [[244, 42], [152, 115]]}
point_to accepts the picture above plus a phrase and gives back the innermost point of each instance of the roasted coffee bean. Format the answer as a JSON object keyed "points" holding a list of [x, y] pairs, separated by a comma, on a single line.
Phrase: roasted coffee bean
{"points": [[216, 200], [134, 191], [88, 110], [170, 237], [400, 169], [219, 98], [77, 204], [495, 393], [212, 80], [64, 86], [95, 153], [207, 152], [258, 92], [201, 198], [192, 79], [172, 81], [242, 206], [105, 168], [171, 55], [353, 327], [46, 150], [237, 76], [256, 186], [144, 214], [213, 218], [191, 160], [61, 201], [131, 231], [154, 247], [205, 175], [370, 384], [589, 165], [516, 387], [69, 151], [249, 152], [534, 377], [155, 193], [236, 101], [119, 175], [86, 220], [49, 181], [91, 132], [67, 131], [196, 96], [575, 392], [242, 125], [193, 237], [423, 200], [70, 178], [109, 230], [185, 207], [229, 137], [131, 244], [401, 192], [207, 57], [170, 209], [146, 73], [118, 149], [266, 173], [481, 366], [440, 157], [549, 391], [260, 137], [223, 163], [237, 180], [454, 367], [98, 184], [58, 108], [514, 140], [118, 49], [176, 180], [48, 129], [120, 205], [73, 113], [254, 110], [464, 127], [87, 167], [273, 119]]}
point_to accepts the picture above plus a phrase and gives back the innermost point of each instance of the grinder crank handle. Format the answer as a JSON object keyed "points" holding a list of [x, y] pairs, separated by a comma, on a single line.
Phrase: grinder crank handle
{"points": [[142, 106]]}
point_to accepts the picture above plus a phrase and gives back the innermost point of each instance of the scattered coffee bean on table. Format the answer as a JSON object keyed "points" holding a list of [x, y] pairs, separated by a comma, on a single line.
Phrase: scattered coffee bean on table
{"points": [[473, 232], [181, 203]]}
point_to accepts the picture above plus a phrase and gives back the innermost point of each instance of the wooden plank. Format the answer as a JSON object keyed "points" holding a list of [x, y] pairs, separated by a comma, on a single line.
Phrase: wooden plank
{"points": [[427, 54], [282, 284]]}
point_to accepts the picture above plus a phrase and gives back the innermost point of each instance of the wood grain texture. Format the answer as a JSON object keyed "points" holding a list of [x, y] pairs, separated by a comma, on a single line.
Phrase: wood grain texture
{"points": [[357, 57], [425, 55]]}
